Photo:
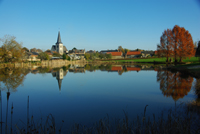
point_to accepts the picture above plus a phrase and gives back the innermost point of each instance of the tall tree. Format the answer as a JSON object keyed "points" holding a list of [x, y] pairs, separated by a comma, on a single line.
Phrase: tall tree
{"points": [[177, 42], [10, 50], [182, 43], [165, 46], [121, 49]]}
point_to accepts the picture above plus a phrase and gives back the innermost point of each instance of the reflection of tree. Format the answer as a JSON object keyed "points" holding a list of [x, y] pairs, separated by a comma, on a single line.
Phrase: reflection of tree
{"points": [[12, 78], [171, 84], [91, 67]]}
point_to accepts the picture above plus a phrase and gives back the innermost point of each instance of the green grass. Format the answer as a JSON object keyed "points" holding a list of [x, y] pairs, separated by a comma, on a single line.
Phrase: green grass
{"points": [[192, 59]]}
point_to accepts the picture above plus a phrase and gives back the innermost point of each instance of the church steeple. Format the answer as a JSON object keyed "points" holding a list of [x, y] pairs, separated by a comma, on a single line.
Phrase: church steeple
{"points": [[59, 38]]}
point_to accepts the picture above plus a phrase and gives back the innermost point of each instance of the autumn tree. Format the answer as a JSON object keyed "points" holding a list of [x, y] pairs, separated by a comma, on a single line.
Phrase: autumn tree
{"points": [[182, 43], [25, 49], [177, 42], [165, 47], [10, 49]]}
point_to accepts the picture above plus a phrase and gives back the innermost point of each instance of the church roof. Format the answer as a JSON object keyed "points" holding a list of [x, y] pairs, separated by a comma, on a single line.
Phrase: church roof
{"points": [[59, 38]]}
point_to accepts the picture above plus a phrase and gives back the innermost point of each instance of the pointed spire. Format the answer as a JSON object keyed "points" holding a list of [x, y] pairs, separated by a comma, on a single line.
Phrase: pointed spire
{"points": [[59, 83], [59, 38]]}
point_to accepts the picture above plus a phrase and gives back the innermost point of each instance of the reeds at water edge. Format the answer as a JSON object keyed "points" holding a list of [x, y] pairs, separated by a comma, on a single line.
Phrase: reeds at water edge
{"points": [[176, 122]]}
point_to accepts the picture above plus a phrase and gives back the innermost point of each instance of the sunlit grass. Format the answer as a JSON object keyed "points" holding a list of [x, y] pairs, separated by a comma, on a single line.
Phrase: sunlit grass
{"points": [[192, 59]]}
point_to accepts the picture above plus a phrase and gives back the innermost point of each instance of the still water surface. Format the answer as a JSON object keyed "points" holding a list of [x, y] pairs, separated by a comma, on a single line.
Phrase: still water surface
{"points": [[85, 94]]}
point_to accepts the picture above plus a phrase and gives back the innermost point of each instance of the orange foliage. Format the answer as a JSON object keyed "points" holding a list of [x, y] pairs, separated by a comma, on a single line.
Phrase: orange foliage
{"points": [[165, 47], [172, 84], [183, 43], [177, 43]]}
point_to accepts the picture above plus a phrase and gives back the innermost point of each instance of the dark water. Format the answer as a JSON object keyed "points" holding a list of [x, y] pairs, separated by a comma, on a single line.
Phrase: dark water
{"points": [[86, 93]]}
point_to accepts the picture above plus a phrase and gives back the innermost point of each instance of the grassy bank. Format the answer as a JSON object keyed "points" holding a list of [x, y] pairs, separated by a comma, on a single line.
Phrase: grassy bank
{"points": [[152, 60]]}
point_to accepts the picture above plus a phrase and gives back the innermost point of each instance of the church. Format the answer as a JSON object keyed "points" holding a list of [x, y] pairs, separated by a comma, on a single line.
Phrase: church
{"points": [[58, 47]]}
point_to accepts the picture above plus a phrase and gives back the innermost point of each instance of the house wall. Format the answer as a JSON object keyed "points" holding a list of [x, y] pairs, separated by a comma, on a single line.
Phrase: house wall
{"points": [[131, 56], [117, 57]]}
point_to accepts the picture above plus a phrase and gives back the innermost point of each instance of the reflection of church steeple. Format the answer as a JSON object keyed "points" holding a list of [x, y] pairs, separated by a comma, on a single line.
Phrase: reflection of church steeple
{"points": [[59, 73], [59, 77], [59, 83]]}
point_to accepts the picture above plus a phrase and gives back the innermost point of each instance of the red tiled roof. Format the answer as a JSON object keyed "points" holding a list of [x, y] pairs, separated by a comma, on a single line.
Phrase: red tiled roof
{"points": [[133, 69], [54, 52], [34, 55], [48, 53], [115, 53], [116, 68], [133, 53]]}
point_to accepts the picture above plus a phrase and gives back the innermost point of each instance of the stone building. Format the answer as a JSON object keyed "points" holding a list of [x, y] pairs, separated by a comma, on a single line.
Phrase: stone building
{"points": [[58, 47]]}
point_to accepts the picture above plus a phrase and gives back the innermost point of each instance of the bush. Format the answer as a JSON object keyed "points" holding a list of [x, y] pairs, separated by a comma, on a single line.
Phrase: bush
{"points": [[56, 55], [108, 56], [43, 56], [87, 56], [68, 58], [64, 57]]}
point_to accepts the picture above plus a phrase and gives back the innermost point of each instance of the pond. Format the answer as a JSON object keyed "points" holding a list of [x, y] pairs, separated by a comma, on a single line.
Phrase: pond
{"points": [[87, 93]]}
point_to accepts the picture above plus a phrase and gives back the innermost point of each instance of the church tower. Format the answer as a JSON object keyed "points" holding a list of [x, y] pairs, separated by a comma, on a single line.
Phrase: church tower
{"points": [[59, 45], [59, 77]]}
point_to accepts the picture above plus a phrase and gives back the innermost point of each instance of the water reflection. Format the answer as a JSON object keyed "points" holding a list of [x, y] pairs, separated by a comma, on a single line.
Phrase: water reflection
{"points": [[77, 68], [173, 85], [10, 79], [59, 73]]}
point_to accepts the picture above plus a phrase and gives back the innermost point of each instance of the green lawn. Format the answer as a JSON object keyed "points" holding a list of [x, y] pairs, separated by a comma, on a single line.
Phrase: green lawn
{"points": [[192, 59]]}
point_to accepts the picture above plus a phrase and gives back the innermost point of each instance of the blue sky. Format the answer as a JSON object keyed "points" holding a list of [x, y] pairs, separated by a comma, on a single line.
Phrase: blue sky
{"points": [[96, 24]]}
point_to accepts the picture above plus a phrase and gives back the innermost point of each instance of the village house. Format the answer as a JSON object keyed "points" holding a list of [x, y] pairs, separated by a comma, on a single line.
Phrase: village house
{"points": [[91, 51], [76, 53], [133, 54], [146, 54], [32, 56], [116, 55], [107, 51]]}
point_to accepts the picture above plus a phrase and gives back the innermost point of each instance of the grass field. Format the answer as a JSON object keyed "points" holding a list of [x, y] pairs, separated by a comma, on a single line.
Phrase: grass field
{"points": [[192, 59]]}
